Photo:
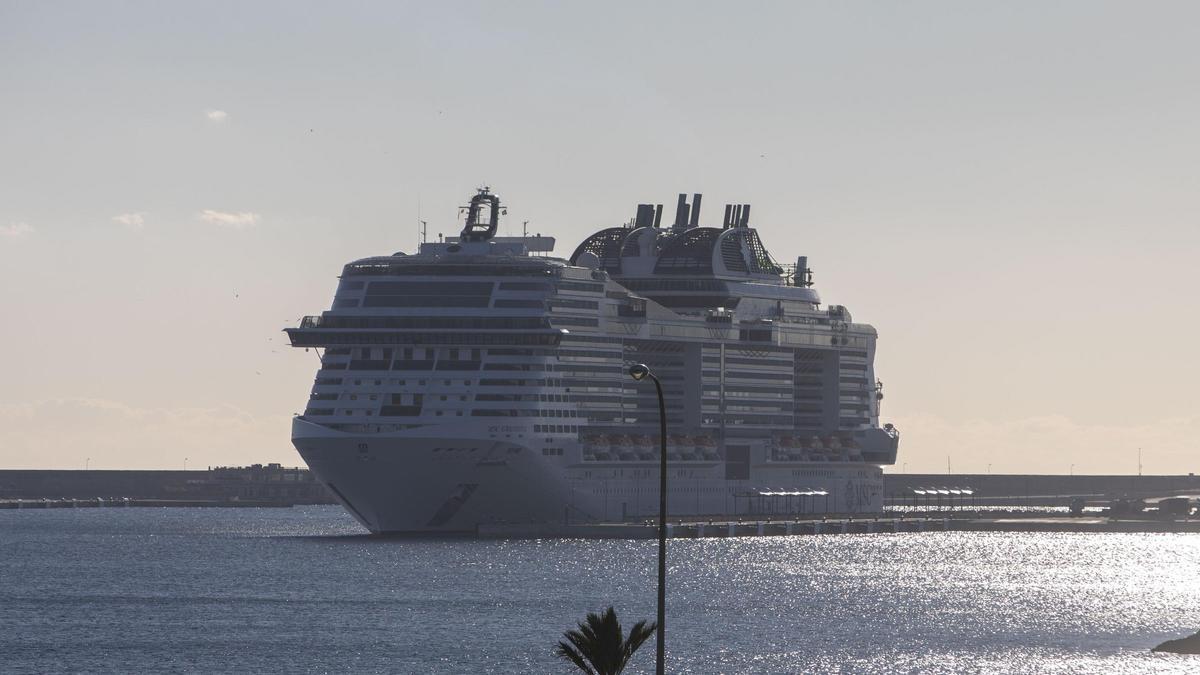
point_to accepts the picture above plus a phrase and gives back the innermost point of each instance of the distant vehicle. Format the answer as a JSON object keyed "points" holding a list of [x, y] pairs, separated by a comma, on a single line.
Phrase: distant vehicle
{"points": [[1174, 506]]}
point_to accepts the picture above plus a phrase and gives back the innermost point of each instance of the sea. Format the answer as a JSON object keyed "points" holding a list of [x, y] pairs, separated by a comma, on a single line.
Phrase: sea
{"points": [[305, 590]]}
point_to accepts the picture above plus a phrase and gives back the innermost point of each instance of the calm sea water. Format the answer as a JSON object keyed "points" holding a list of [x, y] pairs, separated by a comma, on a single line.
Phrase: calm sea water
{"points": [[301, 590]]}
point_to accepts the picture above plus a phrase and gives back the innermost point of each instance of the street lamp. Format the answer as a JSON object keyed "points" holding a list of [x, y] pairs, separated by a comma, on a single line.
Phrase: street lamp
{"points": [[640, 372]]}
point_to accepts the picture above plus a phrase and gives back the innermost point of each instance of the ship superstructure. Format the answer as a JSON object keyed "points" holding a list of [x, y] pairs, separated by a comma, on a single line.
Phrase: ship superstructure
{"points": [[482, 381]]}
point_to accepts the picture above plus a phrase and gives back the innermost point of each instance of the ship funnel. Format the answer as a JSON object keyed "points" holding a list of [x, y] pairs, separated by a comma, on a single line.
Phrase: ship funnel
{"points": [[736, 215], [681, 214], [687, 217], [648, 215], [645, 216]]}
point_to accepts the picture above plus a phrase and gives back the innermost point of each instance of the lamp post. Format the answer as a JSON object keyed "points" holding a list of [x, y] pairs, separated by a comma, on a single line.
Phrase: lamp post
{"points": [[640, 372]]}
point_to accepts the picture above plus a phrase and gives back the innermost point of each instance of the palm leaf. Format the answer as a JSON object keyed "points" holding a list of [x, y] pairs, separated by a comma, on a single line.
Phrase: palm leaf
{"points": [[570, 653]]}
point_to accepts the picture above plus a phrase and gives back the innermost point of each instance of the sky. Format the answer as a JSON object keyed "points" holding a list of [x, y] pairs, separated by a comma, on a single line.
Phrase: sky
{"points": [[1006, 191]]}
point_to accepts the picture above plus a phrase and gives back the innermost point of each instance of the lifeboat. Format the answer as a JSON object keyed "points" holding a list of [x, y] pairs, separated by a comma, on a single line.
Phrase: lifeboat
{"points": [[782, 448], [791, 448], [593, 444], [675, 452], [707, 448], [622, 448], [646, 449], [837, 450], [816, 448]]}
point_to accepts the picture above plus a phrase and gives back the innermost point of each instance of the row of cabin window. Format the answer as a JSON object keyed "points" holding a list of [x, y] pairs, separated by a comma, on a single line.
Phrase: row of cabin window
{"points": [[486, 382], [484, 412], [369, 382], [439, 365], [575, 304], [417, 353], [354, 337], [572, 321], [492, 351], [604, 352], [522, 412], [443, 322]]}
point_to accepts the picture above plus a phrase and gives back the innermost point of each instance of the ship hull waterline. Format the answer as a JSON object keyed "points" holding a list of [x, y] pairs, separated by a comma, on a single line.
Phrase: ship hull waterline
{"points": [[443, 481]]}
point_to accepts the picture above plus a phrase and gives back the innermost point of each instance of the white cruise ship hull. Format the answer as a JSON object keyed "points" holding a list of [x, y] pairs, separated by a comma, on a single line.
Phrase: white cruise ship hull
{"points": [[410, 483], [407, 483]]}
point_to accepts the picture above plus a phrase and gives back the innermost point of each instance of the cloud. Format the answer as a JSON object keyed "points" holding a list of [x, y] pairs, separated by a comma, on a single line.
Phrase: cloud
{"points": [[239, 220], [15, 230], [217, 116], [134, 221]]}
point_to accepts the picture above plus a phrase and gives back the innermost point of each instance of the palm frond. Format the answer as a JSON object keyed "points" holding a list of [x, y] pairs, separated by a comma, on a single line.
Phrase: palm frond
{"points": [[569, 653], [599, 647], [637, 637]]}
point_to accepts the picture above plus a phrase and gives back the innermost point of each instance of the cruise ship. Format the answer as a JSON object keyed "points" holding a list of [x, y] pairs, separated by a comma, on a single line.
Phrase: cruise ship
{"points": [[483, 381]]}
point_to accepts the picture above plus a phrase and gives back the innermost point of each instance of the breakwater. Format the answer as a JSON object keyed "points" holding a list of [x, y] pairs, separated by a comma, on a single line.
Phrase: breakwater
{"points": [[1030, 489], [127, 502], [263, 484], [836, 525]]}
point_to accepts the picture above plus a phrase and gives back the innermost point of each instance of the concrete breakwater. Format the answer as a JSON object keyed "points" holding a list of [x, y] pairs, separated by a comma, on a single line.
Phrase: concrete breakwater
{"points": [[981, 490], [710, 529], [835, 525], [266, 484], [114, 503]]}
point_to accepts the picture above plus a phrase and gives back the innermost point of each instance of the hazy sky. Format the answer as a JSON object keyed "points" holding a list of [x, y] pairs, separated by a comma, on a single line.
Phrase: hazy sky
{"points": [[1007, 191]]}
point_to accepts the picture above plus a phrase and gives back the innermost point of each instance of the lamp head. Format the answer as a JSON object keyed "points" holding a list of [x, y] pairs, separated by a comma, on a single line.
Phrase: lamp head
{"points": [[639, 371]]}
